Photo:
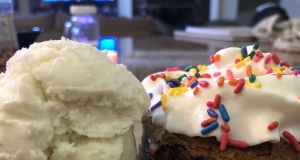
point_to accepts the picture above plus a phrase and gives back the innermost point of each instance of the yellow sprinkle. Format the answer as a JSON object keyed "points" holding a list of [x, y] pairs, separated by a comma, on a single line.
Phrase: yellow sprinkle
{"points": [[193, 70], [274, 69], [277, 69], [239, 64], [199, 67], [239, 56], [163, 99], [175, 89], [177, 93], [278, 72], [256, 85], [172, 91], [176, 75], [204, 68], [168, 77], [184, 89], [247, 59]]}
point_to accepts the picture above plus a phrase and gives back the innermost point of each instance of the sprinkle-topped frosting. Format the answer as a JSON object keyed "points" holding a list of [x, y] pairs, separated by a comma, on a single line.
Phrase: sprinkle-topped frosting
{"points": [[243, 98]]}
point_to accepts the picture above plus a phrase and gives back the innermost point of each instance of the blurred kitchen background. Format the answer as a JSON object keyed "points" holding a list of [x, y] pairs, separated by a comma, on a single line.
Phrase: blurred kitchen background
{"points": [[142, 17], [151, 35]]}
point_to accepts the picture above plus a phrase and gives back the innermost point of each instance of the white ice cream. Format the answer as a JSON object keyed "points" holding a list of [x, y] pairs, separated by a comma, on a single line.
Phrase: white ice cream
{"points": [[64, 100]]}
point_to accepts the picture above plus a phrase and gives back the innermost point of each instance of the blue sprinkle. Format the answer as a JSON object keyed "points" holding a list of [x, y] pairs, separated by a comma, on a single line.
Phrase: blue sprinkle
{"points": [[150, 95], [172, 85], [155, 106], [175, 82], [224, 113], [209, 128], [281, 64], [212, 113], [194, 84], [296, 68], [244, 51]]}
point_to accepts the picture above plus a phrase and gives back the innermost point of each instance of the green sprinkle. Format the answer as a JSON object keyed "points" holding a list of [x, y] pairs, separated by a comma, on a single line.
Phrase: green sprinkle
{"points": [[255, 46], [197, 75], [190, 67], [180, 77], [252, 53], [252, 78]]}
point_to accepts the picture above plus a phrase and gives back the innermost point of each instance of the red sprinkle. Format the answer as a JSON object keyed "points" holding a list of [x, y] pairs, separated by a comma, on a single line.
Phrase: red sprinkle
{"points": [[295, 72], [212, 59], [151, 151], [270, 70], [224, 141], [216, 74], [239, 87], [225, 127], [157, 76], [268, 59], [257, 59], [204, 84], [163, 76], [241, 80], [236, 61], [275, 58], [286, 64], [210, 104], [206, 75], [273, 125], [229, 74], [152, 77], [207, 122], [259, 54], [292, 140], [236, 143], [173, 69], [217, 101]]}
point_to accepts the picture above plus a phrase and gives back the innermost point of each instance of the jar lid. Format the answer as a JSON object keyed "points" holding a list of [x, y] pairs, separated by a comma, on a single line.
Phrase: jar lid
{"points": [[83, 9]]}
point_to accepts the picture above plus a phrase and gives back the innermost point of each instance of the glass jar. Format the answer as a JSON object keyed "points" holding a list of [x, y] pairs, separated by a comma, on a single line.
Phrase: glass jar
{"points": [[8, 38], [83, 25]]}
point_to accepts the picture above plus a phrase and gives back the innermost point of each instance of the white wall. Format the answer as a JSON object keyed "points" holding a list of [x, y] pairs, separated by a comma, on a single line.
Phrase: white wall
{"points": [[223, 10], [125, 8], [292, 7]]}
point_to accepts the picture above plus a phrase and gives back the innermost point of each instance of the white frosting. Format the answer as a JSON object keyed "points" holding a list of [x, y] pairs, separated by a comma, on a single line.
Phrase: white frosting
{"points": [[67, 99], [250, 111]]}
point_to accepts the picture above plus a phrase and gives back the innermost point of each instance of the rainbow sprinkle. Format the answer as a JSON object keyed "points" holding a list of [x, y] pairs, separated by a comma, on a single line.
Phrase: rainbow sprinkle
{"points": [[256, 85], [155, 106], [209, 128], [273, 125], [163, 99], [224, 113], [173, 69]]}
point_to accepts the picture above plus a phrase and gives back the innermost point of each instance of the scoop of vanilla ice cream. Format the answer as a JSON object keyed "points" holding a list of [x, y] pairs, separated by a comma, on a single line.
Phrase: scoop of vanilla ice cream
{"points": [[65, 100]]}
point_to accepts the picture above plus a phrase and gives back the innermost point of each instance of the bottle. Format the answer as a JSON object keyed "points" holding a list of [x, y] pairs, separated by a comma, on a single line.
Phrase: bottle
{"points": [[83, 26], [8, 38]]}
